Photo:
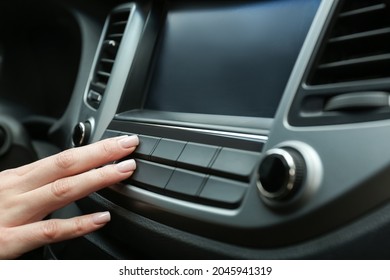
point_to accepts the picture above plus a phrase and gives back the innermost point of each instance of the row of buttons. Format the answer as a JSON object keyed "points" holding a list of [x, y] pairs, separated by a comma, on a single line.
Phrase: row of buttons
{"points": [[195, 186], [220, 161], [199, 171]]}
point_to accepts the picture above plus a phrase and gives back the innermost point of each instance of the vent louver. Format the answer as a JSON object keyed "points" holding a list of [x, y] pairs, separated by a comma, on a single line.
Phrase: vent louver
{"points": [[358, 45], [112, 39]]}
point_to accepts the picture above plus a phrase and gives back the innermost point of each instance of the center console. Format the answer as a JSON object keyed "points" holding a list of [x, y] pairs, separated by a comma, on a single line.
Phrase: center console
{"points": [[248, 141]]}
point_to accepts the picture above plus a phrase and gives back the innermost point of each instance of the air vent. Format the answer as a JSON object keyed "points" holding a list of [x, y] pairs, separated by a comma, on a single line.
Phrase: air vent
{"points": [[112, 39], [357, 47]]}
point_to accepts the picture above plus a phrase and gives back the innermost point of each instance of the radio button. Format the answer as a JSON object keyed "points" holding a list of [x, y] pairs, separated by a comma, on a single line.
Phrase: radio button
{"points": [[185, 182], [146, 146], [236, 164], [168, 151], [197, 155], [223, 191], [149, 174]]}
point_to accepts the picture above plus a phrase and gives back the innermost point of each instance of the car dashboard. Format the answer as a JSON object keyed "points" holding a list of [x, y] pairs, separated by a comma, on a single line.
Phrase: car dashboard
{"points": [[263, 128]]}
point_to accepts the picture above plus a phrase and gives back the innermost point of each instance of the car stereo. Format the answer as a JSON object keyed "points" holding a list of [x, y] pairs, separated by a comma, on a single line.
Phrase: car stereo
{"points": [[201, 94]]}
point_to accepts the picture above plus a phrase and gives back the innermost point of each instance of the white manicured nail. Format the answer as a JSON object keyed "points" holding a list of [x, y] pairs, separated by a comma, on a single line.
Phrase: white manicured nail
{"points": [[101, 218], [129, 141], [126, 166]]}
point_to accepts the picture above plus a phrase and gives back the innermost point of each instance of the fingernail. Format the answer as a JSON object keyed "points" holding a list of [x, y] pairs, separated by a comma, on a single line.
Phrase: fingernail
{"points": [[126, 165], [129, 141], [101, 218]]}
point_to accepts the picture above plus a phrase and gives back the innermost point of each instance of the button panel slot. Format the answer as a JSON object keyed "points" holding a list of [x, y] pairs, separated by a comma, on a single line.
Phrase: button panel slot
{"points": [[196, 172]]}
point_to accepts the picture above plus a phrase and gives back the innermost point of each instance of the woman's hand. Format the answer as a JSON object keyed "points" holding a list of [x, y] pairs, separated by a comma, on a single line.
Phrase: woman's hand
{"points": [[31, 192]]}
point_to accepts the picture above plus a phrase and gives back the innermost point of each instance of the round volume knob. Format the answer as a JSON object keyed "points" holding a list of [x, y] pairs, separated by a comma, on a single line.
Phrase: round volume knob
{"points": [[81, 133], [281, 173]]}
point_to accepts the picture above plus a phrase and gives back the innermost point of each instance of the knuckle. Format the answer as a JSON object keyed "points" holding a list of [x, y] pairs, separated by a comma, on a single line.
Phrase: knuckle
{"points": [[103, 174], [79, 226], [65, 159], [50, 229], [108, 149], [61, 188]]}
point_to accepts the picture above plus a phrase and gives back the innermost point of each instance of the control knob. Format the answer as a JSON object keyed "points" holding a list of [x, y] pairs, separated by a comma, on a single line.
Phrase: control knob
{"points": [[81, 133], [281, 173]]}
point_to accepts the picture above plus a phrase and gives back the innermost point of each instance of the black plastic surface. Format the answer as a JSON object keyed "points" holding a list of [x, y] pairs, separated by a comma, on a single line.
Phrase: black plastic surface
{"points": [[366, 238], [223, 191], [146, 146], [197, 156], [185, 182], [151, 174], [168, 151], [235, 163]]}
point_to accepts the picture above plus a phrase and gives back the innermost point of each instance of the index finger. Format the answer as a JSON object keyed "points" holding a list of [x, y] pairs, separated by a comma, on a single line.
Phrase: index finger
{"points": [[72, 162]]}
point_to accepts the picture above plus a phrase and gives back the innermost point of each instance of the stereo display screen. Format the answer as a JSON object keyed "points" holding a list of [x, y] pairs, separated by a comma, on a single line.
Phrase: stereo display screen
{"points": [[228, 59]]}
